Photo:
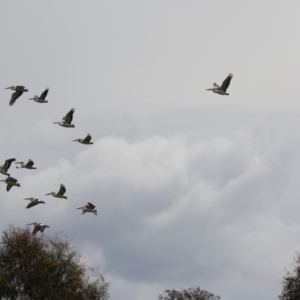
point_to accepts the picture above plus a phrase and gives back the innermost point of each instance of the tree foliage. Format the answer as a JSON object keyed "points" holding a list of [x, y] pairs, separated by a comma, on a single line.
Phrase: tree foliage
{"points": [[193, 293], [45, 268], [291, 282]]}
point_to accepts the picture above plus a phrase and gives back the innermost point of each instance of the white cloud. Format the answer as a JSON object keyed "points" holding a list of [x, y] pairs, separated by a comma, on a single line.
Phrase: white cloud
{"points": [[174, 211]]}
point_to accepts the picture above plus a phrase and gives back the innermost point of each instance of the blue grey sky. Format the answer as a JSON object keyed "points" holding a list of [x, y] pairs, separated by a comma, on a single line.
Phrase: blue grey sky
{"points": [[192, 188]]}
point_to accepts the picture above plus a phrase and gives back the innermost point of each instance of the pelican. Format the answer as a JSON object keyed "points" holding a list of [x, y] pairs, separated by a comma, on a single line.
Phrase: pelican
{"points": [[38, 227], [222, 90], [19, 90], [67, 120], [85, 141], [60, 193], [33, 202], [28, 165], [41, 99], [89, 207], [6, 166], [10, 181]]}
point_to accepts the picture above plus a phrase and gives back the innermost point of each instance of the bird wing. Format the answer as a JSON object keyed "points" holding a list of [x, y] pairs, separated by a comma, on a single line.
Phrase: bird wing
{"points": [[15, 96], [62, 190], [87, 138], [30, 199], [30, 163], [32, 203], [44, 94], [226, 83], [37, 227], [90, 205], [69, 116], [8, 163], [8, 187]]}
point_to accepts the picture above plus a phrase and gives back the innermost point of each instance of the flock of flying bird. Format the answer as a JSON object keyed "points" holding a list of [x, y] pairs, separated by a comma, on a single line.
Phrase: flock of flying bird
{"points": [[65, 122], [10, 181]]}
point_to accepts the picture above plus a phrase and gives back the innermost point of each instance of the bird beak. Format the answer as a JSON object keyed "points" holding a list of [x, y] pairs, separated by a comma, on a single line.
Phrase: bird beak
{"points": [[31, 99]]}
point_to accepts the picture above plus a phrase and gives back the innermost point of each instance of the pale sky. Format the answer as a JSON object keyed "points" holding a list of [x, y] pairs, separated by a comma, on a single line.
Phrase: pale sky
{"points": [[192, 188]]}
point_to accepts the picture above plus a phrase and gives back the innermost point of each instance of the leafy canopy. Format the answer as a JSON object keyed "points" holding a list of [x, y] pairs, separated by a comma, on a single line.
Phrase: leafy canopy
{"points": [[45, 268]]}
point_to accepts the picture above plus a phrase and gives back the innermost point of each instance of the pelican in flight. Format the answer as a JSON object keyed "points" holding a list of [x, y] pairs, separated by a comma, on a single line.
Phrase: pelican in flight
{"points": [[67, 119], [85, 141], [41, 99], [19, 90], [6, 166], [60, 193], [89, 207], [10, 181], [222, 90], [38, 227], [33, 202], [28, 165]]}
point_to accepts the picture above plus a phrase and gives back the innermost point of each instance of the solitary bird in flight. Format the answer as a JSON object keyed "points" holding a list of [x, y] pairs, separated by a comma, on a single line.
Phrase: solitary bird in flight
{"points": [[85, 141], [33, 202], [19, 90], [28, 165], [6, 166], [60, 193], [10, 181], [41, 99], [67, 119], [222, 90], [89, 207], [38, 227]]}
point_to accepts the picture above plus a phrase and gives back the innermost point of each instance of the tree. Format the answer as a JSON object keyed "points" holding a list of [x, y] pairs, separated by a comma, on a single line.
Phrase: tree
{"points": [[291, 282], [45, 268], [193, 293]]}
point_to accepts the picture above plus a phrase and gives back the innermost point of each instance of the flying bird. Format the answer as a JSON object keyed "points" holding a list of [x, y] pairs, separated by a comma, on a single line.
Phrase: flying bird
{"points": [[6, 166], [67, 119], [89, 207], [41, 99], [60, 193], [38, 227], [222, 90], [28, 165], [85, 141], [33, 202], [19, 90], [10, 181]]}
